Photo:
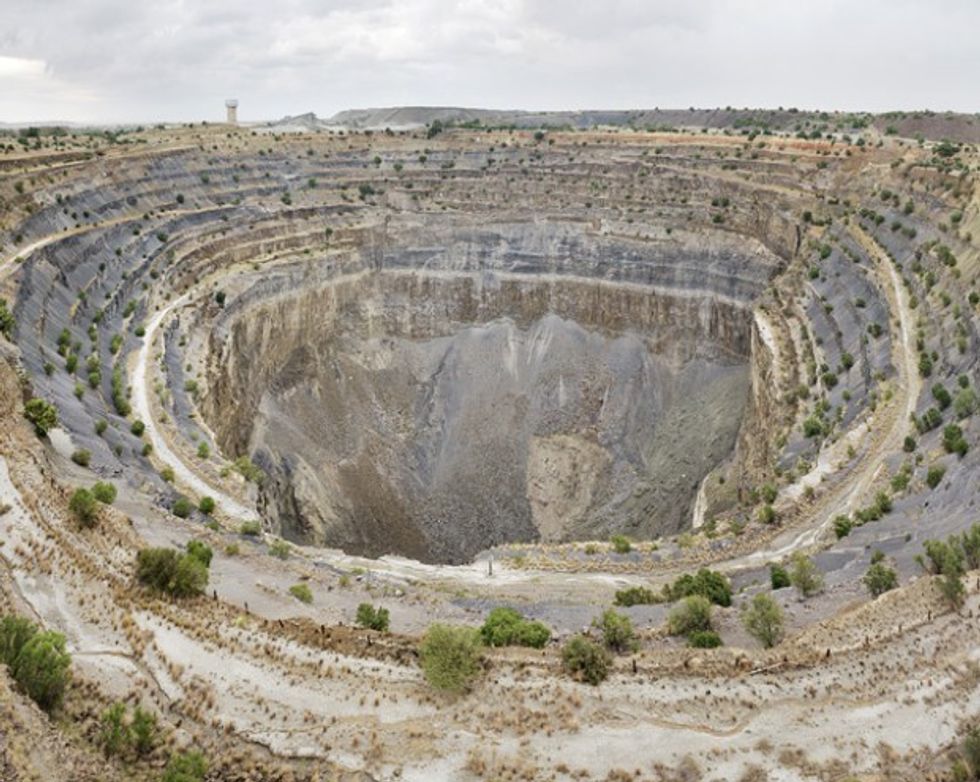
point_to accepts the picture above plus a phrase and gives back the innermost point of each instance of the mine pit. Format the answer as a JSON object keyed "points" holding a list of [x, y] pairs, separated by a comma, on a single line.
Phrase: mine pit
{"points": [[436, 414]]}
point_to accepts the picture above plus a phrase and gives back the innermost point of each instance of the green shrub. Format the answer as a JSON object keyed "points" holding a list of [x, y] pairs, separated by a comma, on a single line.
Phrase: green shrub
{"points": [[585, 660], [637, 595], [280, 548], [953, 440], [188, 766], [82, 457], [15, 632], [767, 514], [104, 492], [143, 731], [692, 614], [704, 639], [621, 544], [206, 505], [842, 526], [85, 507], [763, 620], [42, 414], [804, 575], [935, 475], [137, 428], [169, 571], [42, 669], [880, 578], [182, 507], [506, 627], [113, 730], [707, 583], [450, 657], [203, 450], [302, 592], [201, 551], [250, 528], [617, 631], [373, 618], [248, 470], [7, 322], [778, 577]]}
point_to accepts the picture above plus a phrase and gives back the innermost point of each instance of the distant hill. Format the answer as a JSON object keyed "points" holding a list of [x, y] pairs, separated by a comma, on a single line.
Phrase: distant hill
{"points": [[929, 124]]}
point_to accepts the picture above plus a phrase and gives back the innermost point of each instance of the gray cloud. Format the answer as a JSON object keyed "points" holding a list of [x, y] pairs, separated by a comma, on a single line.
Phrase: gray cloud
{"points": [[178, 59]]}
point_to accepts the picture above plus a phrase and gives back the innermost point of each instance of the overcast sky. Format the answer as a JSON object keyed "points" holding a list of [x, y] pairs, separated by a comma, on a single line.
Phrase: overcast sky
{"points": [[143, 60]]}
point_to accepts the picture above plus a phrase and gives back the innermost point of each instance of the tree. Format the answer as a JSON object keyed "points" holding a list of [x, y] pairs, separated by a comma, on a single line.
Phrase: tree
{"points": [[585, 660], [804, 575], [373, 618], [763, 620], [451, 657], [42, 669], [692, 614], [880, 578], [617, 631], [85, 507], [42, 414]]}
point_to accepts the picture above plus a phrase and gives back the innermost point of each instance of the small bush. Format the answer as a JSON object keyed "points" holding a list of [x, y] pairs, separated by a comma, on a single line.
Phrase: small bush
{"points": [[280, 548], [585, 660], [373, 618], [506, 627], [617, 631], [301, 592], [182, 507], [763, 620], [42, 667], [880, 578], [450, 657], [201, 551], [42, 414], [203, 450], [104, 492], [250, 528], [778, 577], [114, 731], [143, 731], [206, 505], [637, 595], [621, 544], [186, 767], [707, 583], [137, 428], [935, 475], [805, 576], [85, 507], [82, 457], [691, 615], [704, 639], [169, 571]]}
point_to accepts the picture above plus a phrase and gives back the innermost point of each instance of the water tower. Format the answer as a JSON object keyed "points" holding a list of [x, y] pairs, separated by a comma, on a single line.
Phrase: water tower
{"points": [[231, 106]]}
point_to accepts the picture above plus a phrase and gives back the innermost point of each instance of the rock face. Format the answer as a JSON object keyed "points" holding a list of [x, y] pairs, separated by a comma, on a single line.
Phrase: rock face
{"points": [[435, 401]]}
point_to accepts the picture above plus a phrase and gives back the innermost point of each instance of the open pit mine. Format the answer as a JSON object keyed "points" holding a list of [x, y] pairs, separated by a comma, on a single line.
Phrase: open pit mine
{"points": [[422, 445]]}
